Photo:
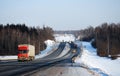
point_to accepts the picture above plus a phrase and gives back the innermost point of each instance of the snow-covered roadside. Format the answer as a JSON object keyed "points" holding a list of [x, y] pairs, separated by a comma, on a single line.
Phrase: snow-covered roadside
{"points": [[51, 46], [8, 57], [102, 65]]}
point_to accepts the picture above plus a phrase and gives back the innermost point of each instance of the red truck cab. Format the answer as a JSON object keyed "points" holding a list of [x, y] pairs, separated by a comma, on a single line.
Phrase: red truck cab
{"points": [[22, 52]]}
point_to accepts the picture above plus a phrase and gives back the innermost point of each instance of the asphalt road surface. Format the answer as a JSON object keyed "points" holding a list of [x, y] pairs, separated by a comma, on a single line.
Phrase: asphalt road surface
{"points": [[62, 69], [44, 66]]}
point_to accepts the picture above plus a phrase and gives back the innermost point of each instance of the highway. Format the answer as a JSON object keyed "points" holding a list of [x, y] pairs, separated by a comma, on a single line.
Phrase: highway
{"points": [[36, 67]]}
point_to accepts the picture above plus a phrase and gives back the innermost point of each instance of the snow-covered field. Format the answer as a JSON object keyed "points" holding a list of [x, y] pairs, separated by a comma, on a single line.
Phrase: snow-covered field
{"points": [[64, 37], [102, 65]]}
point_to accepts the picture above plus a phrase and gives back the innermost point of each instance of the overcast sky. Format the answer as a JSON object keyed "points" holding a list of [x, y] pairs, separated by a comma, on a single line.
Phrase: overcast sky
{"points": [[60, 14]]}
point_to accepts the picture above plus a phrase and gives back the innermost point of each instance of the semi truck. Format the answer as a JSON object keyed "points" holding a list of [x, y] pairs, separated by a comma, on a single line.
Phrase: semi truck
{"points": [[26, 52]]}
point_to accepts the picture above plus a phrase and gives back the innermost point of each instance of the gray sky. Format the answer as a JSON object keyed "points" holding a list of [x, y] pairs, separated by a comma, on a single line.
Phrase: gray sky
{"points": [[60, 14]]}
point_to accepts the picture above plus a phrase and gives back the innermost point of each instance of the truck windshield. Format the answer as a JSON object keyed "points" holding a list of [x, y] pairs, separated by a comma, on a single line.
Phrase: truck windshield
{"points": [[22, 51]]}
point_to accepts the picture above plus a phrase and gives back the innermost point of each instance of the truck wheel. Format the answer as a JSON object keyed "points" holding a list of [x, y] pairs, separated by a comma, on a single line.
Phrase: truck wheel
{"points": [[31, 58]]}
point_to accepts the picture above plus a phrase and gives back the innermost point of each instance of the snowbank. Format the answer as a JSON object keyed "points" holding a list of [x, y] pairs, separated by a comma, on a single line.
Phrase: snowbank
{"points": [[64, 37], [96, 63], [49, 42], [51, 46], [8, 57]]}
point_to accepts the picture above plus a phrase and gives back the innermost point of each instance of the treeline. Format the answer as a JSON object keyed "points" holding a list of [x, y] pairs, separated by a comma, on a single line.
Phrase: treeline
{"points": [[86, 34], [11, 35], [107, 37], [74, 32]]}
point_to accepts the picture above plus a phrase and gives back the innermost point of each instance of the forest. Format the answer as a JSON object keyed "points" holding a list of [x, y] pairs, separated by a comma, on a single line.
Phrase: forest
{"points": [[105, 38], [11, 35]]}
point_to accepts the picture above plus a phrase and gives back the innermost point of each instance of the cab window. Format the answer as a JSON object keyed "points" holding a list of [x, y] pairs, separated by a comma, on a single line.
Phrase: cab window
{"points": [[22, 51]]}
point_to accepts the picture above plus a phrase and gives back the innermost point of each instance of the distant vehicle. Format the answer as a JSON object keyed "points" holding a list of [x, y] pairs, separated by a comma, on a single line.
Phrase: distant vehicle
{"points": [[74, 51], [26, 52]]}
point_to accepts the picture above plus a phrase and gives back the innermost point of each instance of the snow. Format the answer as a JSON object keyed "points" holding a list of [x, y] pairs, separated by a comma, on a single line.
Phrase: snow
{"points": [[8, 57], [51, 46], [64, 37], [102, 65]]}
